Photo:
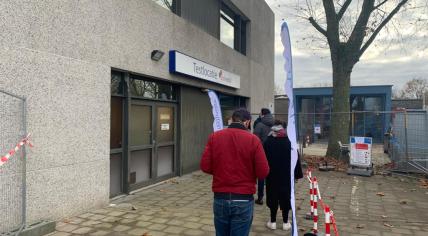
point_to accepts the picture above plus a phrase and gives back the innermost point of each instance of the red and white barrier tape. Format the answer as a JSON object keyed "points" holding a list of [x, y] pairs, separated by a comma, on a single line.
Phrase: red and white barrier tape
{"points": [[315, 191], [315, 197], [333, 222], [24, 141], [311, 193], [327, 220]]}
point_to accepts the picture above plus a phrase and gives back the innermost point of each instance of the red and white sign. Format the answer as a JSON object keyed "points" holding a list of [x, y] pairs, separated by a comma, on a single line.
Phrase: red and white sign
{"points": [[361, 151]]}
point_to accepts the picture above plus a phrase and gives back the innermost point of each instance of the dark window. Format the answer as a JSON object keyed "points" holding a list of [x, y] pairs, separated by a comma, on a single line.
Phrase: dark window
{"points": [[116, 122], [140, 87], [229, 104], [233, 28]]}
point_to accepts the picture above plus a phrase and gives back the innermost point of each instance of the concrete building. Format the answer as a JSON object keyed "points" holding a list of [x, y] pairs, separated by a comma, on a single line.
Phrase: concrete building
{"points": [[281, 107], [108, 112]]}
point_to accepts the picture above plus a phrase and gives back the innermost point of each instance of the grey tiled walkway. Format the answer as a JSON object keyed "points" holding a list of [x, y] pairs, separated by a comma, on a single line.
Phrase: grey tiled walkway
{"points": [[183, 207]]}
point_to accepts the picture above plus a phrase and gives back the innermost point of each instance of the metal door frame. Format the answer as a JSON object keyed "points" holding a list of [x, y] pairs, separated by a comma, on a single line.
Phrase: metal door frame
{"points": [[154, 146]]}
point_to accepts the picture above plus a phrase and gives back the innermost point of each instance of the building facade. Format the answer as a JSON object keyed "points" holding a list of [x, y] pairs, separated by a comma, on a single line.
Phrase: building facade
{"points": [[116, 90], [370, 107]]}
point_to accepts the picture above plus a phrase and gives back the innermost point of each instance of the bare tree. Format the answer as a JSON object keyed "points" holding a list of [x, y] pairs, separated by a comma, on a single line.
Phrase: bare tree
{"points": [[348, 28], [396, 93], [414, 89]]}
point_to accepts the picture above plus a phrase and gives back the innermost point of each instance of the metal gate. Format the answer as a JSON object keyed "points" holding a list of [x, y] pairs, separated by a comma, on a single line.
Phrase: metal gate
{"points": [[13, 171], [408, 143]]}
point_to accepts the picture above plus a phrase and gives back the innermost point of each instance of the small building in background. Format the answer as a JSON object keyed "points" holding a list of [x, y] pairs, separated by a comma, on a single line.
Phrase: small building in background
{"points": [[369, 116], [281, 107], [410, 104]]}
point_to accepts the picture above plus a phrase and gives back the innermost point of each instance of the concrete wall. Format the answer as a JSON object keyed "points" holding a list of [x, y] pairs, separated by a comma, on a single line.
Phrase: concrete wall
{"points": [[69, 118], [122, 34], [281, 108], [260, 48], [205, 14], [196, 124], [59, 55]]}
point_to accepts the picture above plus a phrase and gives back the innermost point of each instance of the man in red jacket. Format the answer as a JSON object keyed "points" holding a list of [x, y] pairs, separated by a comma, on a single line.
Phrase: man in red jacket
{"points": [[235, 158]]}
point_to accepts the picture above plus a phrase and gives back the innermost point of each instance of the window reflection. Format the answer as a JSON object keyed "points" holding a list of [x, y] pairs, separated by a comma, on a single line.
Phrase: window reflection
{"points": [[152, 90], [116, 83], [227, 30], [167, 4], [229, 104]]}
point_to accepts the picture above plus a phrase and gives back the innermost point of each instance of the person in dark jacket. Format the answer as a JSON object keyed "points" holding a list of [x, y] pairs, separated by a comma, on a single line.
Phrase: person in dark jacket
{"points": [[278, 182], [257, 121], [262, 129], [235, 157]]}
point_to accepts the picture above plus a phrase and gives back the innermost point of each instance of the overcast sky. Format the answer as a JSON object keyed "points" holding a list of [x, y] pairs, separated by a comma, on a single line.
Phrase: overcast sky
{"points": [[378, 66]]}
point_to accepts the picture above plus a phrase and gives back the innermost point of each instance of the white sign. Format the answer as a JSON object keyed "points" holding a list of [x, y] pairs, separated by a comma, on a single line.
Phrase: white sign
{"points": [[317, 129], [216, 110], [291, 127], [183, 64], [361, 151], [164, 126]]}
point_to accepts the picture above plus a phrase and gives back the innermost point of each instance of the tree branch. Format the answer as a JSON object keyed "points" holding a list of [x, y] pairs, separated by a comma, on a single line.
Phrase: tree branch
{"points": [[380, 4], [344, 8], [317, 26], [359, 32], [332, 22], [381, 25]]}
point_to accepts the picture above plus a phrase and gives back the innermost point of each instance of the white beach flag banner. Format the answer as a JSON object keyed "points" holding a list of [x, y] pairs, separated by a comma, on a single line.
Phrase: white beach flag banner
{"points": [[215, 103], [291, 128]]}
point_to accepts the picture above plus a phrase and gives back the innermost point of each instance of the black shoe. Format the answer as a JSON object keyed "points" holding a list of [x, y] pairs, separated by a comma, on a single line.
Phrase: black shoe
{"points": [[259, 201]]}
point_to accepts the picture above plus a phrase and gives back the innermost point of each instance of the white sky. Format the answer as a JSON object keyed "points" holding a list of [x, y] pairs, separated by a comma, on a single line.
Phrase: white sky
{"points": [[312, 67]]}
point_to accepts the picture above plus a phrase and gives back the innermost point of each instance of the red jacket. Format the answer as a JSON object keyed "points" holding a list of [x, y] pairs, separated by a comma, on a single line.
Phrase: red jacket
{"points": [[235, 158]]}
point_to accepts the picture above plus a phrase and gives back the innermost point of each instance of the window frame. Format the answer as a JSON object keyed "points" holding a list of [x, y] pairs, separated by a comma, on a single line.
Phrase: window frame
{"points": [[239, 25]]}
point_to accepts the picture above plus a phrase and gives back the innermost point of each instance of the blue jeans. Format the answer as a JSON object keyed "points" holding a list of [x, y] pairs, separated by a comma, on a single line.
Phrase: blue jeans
{"points": [[233, 217]]}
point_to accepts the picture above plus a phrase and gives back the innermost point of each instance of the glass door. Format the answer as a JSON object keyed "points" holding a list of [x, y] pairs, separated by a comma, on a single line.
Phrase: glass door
{"points": [[152, 143], [141, 144], [165, 140]]}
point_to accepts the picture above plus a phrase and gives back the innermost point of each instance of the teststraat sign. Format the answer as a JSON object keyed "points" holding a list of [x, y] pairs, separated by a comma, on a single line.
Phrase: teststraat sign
{"points": [[182, 64]]}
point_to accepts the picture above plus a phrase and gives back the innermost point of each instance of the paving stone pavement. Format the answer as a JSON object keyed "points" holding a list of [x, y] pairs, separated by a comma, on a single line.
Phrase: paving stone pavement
{"points": [[183, 206]]}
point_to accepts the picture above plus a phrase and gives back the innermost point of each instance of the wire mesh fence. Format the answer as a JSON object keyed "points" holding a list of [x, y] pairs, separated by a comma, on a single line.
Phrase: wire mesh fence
{"points": [[12, 172], [408, 142], [403, 133]]}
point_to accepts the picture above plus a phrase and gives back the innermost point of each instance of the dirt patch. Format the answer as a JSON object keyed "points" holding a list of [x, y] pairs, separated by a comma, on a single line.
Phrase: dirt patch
{"points": [[315, 162]]}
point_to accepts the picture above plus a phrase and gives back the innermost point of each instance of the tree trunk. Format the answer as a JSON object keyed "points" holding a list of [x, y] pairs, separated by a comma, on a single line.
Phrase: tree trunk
{"points": [[339, 129]]}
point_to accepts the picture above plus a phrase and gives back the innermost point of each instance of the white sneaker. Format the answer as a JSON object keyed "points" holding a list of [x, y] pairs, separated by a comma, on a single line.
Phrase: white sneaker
{"points": [[271, 225], [286, 226]]}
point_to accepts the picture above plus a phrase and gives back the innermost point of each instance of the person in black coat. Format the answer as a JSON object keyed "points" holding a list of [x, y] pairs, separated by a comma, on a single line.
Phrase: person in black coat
{"points": [[278, 182]]}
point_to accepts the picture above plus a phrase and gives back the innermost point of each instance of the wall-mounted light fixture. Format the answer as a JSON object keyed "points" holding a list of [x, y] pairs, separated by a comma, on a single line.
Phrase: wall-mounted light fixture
{"points": [[157, 55]]}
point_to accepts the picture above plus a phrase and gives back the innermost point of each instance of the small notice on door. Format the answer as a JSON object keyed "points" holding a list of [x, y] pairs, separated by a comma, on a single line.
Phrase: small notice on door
{"points": [[164, 126]]}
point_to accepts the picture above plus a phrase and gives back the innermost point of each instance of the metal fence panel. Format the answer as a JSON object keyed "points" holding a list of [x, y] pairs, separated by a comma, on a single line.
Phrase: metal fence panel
{"points": [[404, 133], [409, 150], [12, 173]]}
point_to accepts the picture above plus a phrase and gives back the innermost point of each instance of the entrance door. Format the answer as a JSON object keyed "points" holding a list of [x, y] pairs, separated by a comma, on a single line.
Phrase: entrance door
{"points": [[152, 143]]}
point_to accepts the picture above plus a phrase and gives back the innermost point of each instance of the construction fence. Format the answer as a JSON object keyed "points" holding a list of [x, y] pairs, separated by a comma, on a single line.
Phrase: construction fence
{"points": [[408, 141], [12, 163], [403, 133]]}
